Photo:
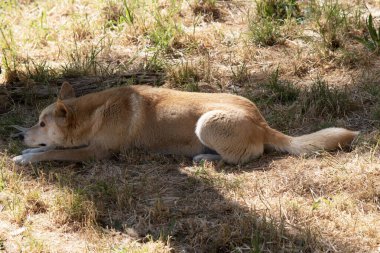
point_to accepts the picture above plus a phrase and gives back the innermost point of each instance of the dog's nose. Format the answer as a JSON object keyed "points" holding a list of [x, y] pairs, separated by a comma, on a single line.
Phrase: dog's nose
{"points": [[21, 137]]}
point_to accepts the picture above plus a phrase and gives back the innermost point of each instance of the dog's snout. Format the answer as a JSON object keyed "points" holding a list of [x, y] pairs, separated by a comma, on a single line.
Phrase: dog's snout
{"points": [[21, 136]]}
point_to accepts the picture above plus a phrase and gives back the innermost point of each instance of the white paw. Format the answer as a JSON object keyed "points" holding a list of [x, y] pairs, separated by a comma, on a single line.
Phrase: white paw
{"points": [[23, 159]]}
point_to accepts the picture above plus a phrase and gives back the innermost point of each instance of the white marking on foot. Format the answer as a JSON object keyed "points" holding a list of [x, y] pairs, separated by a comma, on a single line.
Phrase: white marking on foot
{"points": [[206, 157], [24, 159]]}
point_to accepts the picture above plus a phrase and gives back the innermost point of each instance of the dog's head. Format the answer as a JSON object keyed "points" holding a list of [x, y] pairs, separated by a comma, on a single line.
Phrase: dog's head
{"points": [[53, 123]]}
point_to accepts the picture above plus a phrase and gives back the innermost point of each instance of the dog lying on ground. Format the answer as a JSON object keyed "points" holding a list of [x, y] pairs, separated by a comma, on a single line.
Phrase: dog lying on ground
{"points": [[199, 125]]}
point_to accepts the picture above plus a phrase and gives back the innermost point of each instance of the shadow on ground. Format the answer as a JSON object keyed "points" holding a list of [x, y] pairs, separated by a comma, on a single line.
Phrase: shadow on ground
{"points": [[168, 198]]}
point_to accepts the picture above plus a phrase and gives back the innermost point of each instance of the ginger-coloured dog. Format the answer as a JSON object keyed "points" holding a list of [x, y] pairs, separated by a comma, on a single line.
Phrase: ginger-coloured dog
{"points": [[199, 125]]}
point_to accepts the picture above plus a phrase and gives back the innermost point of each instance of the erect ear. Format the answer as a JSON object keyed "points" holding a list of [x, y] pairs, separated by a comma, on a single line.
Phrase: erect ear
{"points": [[62, 112], [66, 92]]}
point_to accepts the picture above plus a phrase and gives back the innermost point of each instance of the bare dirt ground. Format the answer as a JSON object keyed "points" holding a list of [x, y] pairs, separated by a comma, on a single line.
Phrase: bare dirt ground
{"points": [[303, 66]]}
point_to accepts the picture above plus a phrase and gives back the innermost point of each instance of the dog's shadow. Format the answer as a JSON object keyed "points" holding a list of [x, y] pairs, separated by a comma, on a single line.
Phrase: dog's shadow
{"points": [[171, 199]]}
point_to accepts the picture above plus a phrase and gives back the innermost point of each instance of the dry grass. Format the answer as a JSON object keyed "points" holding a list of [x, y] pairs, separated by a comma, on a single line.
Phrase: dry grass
{"points": [[313, 75]]}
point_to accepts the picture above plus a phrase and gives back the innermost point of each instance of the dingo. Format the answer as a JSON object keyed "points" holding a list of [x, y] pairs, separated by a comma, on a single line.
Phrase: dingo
{"points": [[199, 125]]}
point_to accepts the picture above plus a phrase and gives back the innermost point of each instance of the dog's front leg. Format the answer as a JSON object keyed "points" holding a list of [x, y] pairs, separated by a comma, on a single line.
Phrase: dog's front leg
{"points": [[37, 150], [78, 154]]}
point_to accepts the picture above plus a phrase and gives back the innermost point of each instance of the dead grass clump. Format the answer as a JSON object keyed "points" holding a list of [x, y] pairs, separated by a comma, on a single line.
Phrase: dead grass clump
{"points": [[208, 9], [11, 76], [34, 203], [185, 76], [81, 31], [113, 11], [240, 74], [118, 13], [37, 72], [18, 199], [74, 208], [351, 56], [84, 60], [29, 72], [9, 56]]}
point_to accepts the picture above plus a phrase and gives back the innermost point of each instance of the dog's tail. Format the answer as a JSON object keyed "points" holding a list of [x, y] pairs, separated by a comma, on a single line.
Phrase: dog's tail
{"points": [[326, 139]]}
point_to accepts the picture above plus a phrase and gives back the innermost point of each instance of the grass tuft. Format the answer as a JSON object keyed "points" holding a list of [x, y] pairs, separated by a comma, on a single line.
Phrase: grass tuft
{"points": [[38, 72], [73, 207], [185, 75], [279, 10], [120, 12], [265, 32], [281, 91], [84, 61], [266, 28], [373, 41], [166, 33], [240, 73], [9, 59], [331, 20], [323, 99]]}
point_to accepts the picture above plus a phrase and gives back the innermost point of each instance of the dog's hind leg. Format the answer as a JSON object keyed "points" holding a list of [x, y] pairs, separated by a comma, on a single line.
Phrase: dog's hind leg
{"points": [[207, 155], [232, 134]]}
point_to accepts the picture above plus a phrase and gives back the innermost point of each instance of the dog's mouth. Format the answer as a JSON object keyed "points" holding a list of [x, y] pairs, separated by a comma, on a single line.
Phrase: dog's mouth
{"points": [[42, 144]]}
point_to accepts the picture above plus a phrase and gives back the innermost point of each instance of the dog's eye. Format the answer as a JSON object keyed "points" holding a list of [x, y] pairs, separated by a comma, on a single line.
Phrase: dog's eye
{"points": [[42, 124]]}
